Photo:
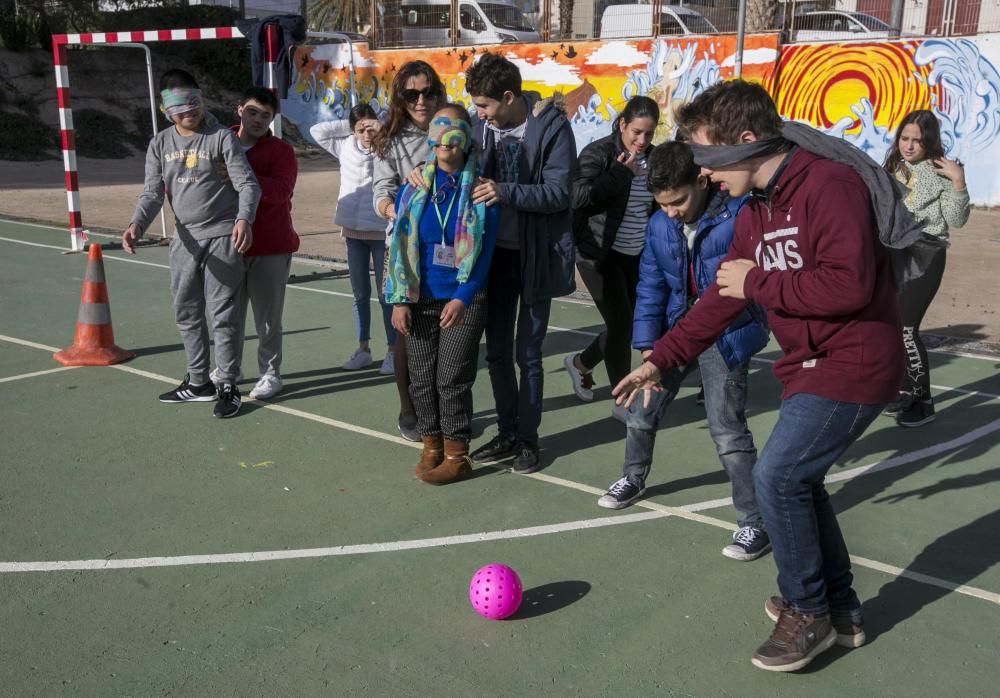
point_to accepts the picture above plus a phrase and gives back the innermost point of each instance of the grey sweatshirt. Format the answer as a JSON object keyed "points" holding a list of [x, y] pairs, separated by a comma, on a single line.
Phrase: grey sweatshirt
{"points": [[406, 150], [209, 183]]}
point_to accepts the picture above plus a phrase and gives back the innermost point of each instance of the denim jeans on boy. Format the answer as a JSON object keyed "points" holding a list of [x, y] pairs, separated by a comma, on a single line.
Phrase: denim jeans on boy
{"points": [[361, 254], [814, 570], [725, 406], [509, 332]]}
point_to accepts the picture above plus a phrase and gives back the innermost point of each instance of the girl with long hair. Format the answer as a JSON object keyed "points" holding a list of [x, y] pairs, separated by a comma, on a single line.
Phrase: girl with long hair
{"points": [[417, 93], [350, 141], [939, 199], [612, 205]]}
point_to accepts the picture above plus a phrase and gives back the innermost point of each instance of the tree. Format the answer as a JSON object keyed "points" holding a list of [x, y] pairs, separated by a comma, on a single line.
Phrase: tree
{"points": [[338, 15], [565, 18], [761, 15]]}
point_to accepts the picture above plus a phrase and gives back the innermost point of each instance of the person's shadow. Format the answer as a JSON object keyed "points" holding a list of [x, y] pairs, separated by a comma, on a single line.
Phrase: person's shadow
{"points": [[548, 598], [960, 555]]}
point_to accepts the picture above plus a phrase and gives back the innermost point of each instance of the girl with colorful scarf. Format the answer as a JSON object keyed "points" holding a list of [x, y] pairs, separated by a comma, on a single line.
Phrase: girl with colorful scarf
{"points": [[439, 257]]}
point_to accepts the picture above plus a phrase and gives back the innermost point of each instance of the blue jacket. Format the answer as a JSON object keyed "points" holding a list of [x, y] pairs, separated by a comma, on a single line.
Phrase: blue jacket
{"points": [[542, 198], [662, 294]]}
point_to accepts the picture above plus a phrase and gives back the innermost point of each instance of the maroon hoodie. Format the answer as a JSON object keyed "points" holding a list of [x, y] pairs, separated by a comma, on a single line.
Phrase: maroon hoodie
{"points": [[274, 163], [825, 281]]}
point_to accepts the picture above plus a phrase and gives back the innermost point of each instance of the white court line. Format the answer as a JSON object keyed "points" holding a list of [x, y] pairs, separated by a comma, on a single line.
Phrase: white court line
{"points": [[362, 549], [37, 373], [964, 589], [575, 301], [688, 512]]}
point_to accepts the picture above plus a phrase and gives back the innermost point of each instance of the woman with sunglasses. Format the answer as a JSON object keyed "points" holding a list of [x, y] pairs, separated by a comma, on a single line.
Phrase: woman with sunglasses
{"points": [[439, 257], [401, 145]]}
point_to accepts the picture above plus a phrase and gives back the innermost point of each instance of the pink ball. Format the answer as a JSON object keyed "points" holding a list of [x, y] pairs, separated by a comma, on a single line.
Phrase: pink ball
{"points": [[495, 591]]}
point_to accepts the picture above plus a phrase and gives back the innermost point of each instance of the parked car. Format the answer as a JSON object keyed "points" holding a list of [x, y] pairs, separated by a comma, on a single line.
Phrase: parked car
{"points": [[625, 21], [837, 25], [428, 23]]}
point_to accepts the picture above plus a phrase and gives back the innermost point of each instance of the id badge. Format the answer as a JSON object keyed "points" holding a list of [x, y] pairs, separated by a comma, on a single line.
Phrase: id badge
{"points": [[444, 256]]}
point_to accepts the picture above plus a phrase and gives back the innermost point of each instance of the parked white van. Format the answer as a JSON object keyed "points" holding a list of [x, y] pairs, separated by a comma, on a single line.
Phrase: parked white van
{"points": [[630, 21], [428, 23]]}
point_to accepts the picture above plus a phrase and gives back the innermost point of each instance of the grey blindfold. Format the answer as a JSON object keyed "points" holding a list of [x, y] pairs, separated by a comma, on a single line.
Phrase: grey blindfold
{"points": [[716, 156]]}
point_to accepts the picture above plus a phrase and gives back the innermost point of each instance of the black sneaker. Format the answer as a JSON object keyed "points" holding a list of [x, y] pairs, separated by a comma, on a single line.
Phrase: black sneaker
{"points": [[497, 449], [526, 461], [621, 493], [850, 626], [797, 639], [919, 413], [229, 401], [700, 398], [185, 392], [899, 405], [749, 543]]}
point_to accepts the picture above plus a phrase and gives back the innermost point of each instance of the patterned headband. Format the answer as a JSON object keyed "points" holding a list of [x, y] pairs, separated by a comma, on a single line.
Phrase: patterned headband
{"points": [[177, 100]]}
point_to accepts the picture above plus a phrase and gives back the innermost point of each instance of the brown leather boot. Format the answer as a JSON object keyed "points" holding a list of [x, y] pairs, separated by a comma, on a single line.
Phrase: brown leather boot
{"points": [[456, 465], [432, 455]]}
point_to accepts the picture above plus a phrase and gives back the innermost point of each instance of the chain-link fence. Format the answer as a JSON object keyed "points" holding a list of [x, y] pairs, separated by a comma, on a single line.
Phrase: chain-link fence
{"points": [[430, 23]]}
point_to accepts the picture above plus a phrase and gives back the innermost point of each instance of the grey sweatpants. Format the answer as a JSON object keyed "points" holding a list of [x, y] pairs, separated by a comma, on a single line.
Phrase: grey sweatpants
{"points": [[266, 277], [206, 282]]}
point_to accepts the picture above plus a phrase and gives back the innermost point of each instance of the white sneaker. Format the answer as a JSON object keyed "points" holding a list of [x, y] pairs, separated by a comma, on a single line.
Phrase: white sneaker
{"points": [[268, 386], [388, 367], [583, 383], [359, 359]]}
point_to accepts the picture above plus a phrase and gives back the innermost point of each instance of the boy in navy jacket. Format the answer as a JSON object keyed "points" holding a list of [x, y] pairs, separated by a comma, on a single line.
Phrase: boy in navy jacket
{"points": [[528, 164], [685, 242]]}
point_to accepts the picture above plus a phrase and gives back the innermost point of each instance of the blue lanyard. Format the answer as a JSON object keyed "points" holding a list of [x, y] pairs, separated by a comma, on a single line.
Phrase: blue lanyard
{"points": [[437, 209]]}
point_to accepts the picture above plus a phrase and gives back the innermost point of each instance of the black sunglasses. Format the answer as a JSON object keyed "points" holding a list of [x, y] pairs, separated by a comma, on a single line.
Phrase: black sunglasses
{"points": [[413, 96]]}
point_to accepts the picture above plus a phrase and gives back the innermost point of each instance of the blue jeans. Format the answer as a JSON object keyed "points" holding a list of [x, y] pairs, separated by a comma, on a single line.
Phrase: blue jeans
{"points": [[725, 407], [362, 255], [519, 408], [814, 569]]}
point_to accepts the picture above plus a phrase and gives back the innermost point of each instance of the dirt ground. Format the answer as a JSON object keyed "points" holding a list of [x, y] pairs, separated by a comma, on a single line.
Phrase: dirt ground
{"points": [[965, 308]]}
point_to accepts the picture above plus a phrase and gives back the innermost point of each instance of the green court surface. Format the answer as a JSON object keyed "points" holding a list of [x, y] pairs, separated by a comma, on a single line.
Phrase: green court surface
{"points": [[149, 549]]}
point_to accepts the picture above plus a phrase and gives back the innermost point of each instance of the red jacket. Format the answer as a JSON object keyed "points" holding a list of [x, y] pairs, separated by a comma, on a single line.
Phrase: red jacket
{"points": [[274, 163], [825, 281]]}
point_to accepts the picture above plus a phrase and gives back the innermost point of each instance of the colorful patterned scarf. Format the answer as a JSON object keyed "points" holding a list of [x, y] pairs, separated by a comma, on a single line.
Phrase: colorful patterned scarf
{"points": [[402, 282]]}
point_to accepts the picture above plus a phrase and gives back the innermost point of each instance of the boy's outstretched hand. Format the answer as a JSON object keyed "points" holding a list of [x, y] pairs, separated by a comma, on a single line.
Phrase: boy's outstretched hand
{"points": [[645, 378], [731, 276], [130, 237], [242, 236]]}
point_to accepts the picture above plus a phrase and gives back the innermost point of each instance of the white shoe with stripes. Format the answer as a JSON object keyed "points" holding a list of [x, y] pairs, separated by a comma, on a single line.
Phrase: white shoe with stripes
{"points": [[185, 392]]}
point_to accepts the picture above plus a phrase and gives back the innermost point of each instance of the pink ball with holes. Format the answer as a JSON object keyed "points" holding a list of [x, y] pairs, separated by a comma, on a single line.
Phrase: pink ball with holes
{"points": [[495, 591]]}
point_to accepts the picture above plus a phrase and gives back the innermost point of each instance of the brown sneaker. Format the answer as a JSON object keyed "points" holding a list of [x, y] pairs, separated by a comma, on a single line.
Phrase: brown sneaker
{"points": [[432, 455], [850, 627], [456, 464], [796, 640]]}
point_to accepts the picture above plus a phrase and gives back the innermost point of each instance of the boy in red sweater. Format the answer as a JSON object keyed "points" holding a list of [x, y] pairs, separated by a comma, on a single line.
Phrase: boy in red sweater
{"points": [[270, 257], [806, 248]]}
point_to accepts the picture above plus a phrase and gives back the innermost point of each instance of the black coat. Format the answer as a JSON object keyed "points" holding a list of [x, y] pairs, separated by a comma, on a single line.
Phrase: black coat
{"points": [[600, 194]]}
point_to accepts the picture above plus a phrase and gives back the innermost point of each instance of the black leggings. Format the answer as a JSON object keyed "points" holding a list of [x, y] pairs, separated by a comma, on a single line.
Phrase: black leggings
{"points": [[914, 299], [615, 299]]}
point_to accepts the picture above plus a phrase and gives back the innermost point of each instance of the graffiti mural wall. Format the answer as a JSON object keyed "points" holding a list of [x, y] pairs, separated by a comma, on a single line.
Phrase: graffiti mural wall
{"points": [[597, 78], [860, 92], [855, 91]]}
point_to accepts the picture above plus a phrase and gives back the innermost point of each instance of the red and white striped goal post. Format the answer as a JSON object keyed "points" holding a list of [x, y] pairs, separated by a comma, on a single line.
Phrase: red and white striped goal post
{"points": [[60, 42]]}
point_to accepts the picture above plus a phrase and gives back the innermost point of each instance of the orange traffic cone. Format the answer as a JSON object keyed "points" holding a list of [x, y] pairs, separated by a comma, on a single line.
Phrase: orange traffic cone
{"points": [[94, 342]]}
